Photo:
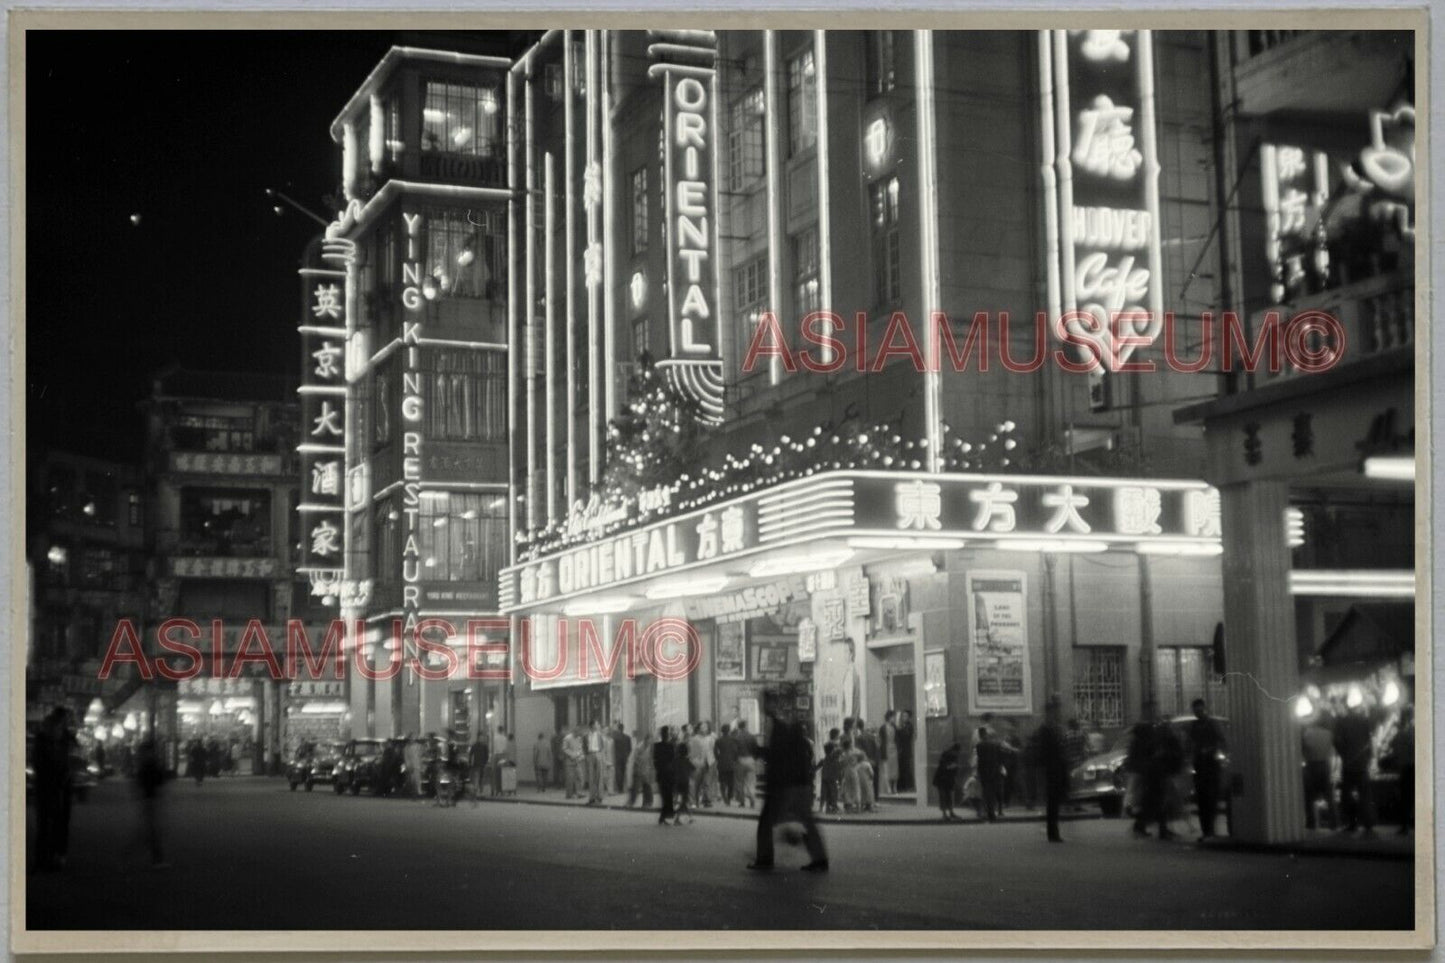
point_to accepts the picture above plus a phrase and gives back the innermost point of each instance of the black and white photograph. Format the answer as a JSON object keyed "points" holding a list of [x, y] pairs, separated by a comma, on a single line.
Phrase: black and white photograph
{"points": [[512, 481]]}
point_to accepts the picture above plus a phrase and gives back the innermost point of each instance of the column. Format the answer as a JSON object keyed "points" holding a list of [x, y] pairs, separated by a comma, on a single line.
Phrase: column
{"points": [[1262, 664]]}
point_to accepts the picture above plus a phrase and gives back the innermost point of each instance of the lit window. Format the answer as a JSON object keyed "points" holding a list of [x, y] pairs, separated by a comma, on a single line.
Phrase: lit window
{"points": [[807, 296], [802, 103], [887, 267], [459, 119], [750, 291], [879, 62], [466, 397], [463, 536], [466, 253]]}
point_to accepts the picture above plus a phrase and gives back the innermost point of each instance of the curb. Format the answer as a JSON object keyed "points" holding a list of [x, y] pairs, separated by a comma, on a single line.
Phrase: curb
{"points": [[824, 819], [1296, 850]]}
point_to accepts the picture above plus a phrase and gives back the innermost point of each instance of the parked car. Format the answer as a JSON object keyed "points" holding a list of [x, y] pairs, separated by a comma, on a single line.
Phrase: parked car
{"points": [[359, 767], [1101, 778], [317, 763]]}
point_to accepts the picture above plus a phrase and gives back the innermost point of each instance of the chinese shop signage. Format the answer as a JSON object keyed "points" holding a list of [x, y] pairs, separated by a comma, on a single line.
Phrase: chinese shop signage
{"points": [[689, 83], [323, 424], [227, 567], [1102, 172], [225, 463]]}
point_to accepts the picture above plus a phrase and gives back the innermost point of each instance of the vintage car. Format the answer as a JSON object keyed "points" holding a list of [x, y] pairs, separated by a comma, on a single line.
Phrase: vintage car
{"points": [[317, 764], [359, 767], [1101, 778]]}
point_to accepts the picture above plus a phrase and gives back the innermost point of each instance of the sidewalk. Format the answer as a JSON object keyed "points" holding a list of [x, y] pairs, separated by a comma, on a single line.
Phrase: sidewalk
{"points": [[1386, 843], [889, 811]]}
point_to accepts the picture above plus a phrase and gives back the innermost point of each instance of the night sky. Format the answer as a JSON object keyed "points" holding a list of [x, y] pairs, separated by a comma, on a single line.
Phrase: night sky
{"points": [[186, 129]]}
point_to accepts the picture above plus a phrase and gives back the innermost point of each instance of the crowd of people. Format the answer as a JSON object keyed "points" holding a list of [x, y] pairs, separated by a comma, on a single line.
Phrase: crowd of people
{"points": [[1343, 749]]}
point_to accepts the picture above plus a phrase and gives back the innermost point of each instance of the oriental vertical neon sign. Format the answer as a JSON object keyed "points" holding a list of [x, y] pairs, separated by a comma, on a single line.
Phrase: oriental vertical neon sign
{"points": [[689, 161], [413, 299]]}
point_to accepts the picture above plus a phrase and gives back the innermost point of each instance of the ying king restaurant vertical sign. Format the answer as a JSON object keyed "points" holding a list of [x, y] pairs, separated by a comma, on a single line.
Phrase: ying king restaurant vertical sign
{"points": [[1101, 175], [322, 448], [685, 61]]}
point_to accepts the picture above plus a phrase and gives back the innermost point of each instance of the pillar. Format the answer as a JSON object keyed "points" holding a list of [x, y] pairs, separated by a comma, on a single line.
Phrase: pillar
{"points": [[1262, 663]]}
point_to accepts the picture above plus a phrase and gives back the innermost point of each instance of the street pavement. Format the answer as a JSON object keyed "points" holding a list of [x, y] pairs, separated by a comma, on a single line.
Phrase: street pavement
{"points": [[246, 853]]}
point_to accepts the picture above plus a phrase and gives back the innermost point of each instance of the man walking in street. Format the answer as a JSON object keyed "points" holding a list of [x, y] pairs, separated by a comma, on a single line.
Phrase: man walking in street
{"points": [[1206, 742], [1054, 762], [542, 761], [727, 763], [663, 764], [745, 780], [1353, 743], [790, 787], [989, 756], [477, 758], [594, 745], [1317, 746]]}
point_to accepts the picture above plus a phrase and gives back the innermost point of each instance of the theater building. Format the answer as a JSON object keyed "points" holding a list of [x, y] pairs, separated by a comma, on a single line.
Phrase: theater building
{"points": [[949, 542], [403, 323]]}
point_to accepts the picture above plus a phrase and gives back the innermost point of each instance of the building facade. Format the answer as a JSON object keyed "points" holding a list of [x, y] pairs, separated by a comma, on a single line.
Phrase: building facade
{"points": [[890, 531], [404, 395]]}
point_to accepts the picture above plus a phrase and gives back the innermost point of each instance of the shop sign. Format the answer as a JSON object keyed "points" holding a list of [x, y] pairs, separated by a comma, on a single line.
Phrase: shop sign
{"points": [[689, 179], [412, 301], [225, 463], [998, 662], [207, 567], [323, 417], [1103, 183], [330, 689], [747, 603]]}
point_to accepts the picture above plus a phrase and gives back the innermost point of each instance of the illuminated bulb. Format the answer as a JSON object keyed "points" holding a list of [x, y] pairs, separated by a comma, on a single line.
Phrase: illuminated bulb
{"points": [[429, 288], [467, 256], [1303, 707], [1392, 693], [1355, 697], [1008, 426]]}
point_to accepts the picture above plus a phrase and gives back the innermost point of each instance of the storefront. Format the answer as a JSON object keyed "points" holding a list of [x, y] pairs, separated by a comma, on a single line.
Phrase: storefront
{"points": [[945, 596]]}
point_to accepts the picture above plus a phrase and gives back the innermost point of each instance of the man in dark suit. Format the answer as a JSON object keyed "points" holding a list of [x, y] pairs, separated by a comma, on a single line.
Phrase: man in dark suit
{"points": [[1054, 761], [1206, 743], [621, 752], [789, 794]]}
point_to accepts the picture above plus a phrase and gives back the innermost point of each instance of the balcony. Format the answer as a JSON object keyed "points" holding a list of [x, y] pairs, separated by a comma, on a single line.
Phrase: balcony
{"points": [[1319, 71], [1377, 315]]}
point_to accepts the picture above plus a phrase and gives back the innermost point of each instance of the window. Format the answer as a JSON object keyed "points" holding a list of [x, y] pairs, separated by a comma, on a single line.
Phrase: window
{"points": [[639, 339], [394, 143], [465, 397], [745, 141], [465, 253], [213, 433], [552, 77], [1099, 685], [806, 293], [750, 292], [381, 410], [387, 557], [134, 509], [1184, 674], [887, 270], [459, 119], [878, 62], [225, 521], [579, 68], [802, 103], [98, 567], [463, 537], [639, 210]]}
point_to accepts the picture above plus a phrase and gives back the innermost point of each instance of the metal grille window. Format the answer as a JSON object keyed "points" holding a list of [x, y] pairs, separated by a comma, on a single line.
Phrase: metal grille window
{"points": [[745, 140], [887, 266], [1099, 685], [639, 210], [466, 253], [466, 397], [463, 536], [879, 62], [802, 103], [459, 119], [807, 295]]}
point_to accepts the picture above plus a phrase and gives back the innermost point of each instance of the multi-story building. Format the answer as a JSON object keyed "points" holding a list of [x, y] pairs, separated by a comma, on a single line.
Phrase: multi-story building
{"points": [[1323, 220], [223, 539], [905, 537], [406, 513], [87, 550]]}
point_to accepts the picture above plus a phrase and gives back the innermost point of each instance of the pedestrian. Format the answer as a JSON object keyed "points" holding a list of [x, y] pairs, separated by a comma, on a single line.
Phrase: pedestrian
{"points": [[53, 787], [1013, 769], [989, 769], [572, 761], [682, 775], [1137, 763], [542, 761], [1317, 747], [888, 752], [663, 765], [985, 726], [906, 736], [790, 788], [643, 772], [1076, 744], [621, 755], [196, 761], [149, 777], [848, 757], [1167, 759], [831, 771], [559, 759], [478, 758], [945, 779], [726, 752], [746, 777], [411, 756], [866, 741], [699, 754], [595, 744], [1207, 745], [864, 775], [1402, 753], [1353, 742], [1054, 763]]}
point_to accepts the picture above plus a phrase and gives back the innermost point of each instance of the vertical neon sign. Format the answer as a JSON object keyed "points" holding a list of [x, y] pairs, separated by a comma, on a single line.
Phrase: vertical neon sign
{"points": [[413, 301]]}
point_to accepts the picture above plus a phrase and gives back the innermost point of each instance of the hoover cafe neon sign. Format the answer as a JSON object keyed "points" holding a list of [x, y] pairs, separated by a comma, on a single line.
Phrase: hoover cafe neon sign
{"points": [[872, 509]]}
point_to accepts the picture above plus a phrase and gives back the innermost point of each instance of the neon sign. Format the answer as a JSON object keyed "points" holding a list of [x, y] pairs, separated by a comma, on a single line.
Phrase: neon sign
{"points": [[412, 299]]}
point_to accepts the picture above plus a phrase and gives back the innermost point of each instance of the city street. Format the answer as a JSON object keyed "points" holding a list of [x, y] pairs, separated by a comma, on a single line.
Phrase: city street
{"points": [[248, 853]]}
